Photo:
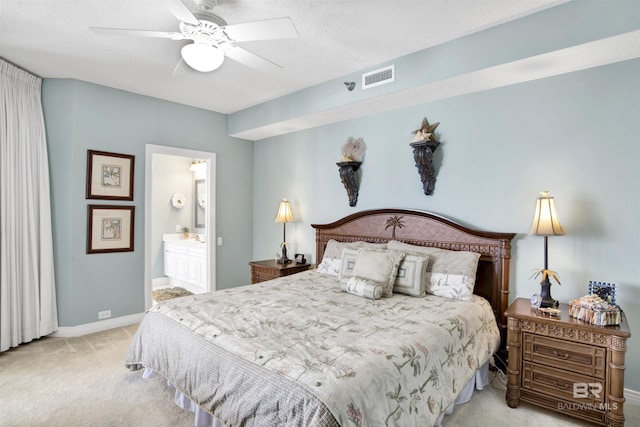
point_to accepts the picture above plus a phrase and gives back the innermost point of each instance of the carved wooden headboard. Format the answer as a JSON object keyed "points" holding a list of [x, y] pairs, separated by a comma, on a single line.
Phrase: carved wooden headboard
{"points": [[426, 229]]}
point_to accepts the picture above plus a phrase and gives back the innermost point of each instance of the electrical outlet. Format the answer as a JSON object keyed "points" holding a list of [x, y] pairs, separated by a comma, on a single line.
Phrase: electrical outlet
{"points": [[104, 314]]}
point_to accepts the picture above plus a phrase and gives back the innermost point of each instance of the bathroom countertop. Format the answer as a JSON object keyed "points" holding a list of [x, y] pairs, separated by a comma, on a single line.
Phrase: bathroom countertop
{"points": [[179, 238]]}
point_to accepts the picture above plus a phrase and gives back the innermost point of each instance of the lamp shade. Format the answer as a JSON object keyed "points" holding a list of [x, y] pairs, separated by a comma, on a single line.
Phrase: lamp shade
{"points": [[284, 212], [545, 220], [202, 56]]}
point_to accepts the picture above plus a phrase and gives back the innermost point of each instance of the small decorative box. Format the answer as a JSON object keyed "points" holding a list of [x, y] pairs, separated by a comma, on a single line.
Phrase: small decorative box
{"points": [[595, 310]]}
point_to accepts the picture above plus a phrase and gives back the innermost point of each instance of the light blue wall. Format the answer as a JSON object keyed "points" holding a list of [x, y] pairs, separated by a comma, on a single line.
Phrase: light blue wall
{"points": [[575, 135], [81, 116]]}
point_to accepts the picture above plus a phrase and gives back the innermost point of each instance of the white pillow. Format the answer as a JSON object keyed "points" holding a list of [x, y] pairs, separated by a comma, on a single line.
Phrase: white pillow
{"points": [[378, 266], [361, 287], [329, 266], [347, 263], [452, 274], [411, 277]]}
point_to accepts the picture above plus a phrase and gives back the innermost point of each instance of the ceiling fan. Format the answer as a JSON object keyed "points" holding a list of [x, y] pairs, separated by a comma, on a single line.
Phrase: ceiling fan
{"points": [[213, 39]]}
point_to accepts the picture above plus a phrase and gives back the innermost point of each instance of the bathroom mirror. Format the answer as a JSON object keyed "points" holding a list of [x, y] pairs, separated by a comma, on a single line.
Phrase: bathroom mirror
{"points": [[200, 200]]}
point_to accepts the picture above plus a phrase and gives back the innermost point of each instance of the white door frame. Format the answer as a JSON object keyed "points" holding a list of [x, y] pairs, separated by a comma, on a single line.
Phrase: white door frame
{"points": [[210, 219]]}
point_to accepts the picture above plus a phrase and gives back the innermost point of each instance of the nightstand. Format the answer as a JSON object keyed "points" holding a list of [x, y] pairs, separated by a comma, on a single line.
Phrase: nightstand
{"points": [[565, 364], [270, 269]]}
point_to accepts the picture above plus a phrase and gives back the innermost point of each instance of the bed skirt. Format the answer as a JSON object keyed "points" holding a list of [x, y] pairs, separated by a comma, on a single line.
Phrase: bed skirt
{"points": [[203, 418]]}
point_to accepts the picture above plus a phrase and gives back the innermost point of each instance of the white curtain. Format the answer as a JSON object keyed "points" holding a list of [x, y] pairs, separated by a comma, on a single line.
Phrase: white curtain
{"points": [[27, 285]]}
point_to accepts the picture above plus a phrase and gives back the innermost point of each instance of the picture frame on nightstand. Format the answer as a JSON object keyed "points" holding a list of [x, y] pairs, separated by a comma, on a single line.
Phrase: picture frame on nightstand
{"points": [[606, 291]]}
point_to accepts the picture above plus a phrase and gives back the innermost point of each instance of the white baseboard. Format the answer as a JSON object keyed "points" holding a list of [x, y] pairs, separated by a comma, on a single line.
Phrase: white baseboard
{"points": [[102, 325], [632, 396]]}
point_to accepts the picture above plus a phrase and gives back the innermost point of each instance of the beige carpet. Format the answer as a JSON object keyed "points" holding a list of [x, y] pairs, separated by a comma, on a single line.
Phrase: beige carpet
{"points": [[83, 382]]}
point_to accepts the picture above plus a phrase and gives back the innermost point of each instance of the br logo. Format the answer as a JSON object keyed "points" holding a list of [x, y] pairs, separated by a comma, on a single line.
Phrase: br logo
{"points": [[582, 390]]}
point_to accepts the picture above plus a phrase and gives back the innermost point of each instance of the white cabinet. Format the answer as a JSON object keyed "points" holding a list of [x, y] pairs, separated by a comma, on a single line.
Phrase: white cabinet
{"points": [[185, 263]]}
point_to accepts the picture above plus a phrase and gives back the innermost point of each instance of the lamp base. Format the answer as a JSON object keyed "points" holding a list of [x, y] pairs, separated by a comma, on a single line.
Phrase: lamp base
{"points": [[284, 259], [545, 293]]}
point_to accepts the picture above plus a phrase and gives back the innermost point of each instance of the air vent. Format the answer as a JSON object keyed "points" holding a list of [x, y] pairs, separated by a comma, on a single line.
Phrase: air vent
{"points": [[378, 77]]}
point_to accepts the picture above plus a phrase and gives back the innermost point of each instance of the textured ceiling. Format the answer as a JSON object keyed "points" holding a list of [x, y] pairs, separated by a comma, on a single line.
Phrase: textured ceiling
{"points": [[51, 39]]}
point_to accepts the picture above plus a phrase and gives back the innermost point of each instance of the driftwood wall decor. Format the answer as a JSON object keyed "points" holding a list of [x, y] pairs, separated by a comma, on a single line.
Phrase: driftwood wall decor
{"points": [[352, 156], [424, 144], [351, 180], [423, 156]]}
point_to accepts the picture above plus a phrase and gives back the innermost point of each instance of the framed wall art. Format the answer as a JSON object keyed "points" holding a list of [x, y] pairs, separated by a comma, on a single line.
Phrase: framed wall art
{"points": [[109, 228], [109, 176]]}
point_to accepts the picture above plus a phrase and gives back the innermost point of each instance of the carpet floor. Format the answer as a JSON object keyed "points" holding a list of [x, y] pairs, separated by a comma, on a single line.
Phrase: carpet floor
{"points": [[82, 381]]}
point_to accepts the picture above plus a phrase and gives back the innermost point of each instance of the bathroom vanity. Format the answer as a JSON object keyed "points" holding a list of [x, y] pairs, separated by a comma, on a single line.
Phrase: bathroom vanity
{"points": [[185, 262]]}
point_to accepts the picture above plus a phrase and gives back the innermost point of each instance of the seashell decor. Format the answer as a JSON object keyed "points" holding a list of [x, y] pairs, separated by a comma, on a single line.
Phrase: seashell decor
{"points": [[353, 150]]}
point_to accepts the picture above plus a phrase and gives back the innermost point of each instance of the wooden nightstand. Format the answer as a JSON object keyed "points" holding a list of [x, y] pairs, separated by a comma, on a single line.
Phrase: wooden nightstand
{"points": [[270, 269], [565, 364]]}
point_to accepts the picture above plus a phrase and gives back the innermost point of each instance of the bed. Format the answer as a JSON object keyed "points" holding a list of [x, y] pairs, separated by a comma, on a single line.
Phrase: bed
{"points": [[299, 350]]}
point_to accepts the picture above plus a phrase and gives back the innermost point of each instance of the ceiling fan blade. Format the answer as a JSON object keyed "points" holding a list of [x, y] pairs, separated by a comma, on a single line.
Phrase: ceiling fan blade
{"points": [[278, 28], [182, 12], [178, 67], [138, 33], [249, 59]]}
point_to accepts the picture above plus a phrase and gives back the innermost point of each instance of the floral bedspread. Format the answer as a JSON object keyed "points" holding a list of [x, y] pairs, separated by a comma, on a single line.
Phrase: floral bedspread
{"points": [[394, 361]]}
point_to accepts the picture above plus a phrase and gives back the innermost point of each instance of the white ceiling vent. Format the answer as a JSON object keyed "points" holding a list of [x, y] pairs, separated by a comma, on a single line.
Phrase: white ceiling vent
{"points": [[378, 77]]}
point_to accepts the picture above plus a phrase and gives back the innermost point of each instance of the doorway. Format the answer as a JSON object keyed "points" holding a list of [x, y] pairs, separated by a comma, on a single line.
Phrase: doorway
{"points": [[207, 228]]}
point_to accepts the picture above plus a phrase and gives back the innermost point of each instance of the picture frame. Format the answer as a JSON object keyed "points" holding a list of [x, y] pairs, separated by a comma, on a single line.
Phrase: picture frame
{"points": [[110, 228], [606, 291], [109, 175]]}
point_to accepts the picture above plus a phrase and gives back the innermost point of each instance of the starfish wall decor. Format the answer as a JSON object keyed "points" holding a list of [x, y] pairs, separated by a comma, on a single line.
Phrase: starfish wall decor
{"points": [[425, 133]]}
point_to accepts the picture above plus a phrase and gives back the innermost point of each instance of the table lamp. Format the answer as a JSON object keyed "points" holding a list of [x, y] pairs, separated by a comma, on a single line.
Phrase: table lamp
{"points": [[546, 223], [284, 216]]}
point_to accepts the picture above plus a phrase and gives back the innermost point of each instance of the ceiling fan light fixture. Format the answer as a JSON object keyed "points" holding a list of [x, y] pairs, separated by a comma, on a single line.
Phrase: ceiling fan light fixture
{"points": [[202, 57]]}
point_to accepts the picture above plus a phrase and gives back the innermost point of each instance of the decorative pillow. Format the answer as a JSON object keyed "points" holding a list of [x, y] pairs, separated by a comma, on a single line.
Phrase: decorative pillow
{"points": [[334, 248], [411, 277], [451, 274], [347, 263], [379, 266], [329, 266], [361, 287]]}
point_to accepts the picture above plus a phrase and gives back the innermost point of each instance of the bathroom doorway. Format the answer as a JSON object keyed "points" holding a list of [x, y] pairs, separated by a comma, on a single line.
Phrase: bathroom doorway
{"points": [[166, 215]]}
